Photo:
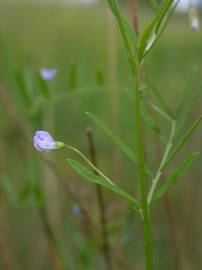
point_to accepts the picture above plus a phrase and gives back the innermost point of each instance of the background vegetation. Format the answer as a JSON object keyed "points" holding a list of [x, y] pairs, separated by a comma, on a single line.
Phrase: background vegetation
{"points": [[83, 43]]}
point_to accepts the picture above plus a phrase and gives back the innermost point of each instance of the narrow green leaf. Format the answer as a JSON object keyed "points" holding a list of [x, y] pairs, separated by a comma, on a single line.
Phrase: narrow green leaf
{"points": [[25, 193], [130, 33], [187, 136], [89, 176], [151, 122], [100, 78], [9, 190], [189, 109], [146, 37], [175, 177], [158, 96], [185, 93], [89, 163], [127, 33], [125, 148], [130, 94], [155, 29], [163, 12]]}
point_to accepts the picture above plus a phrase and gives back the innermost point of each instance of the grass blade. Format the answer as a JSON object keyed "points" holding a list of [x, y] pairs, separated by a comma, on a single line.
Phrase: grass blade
{"points": [[175, 177], [187, 136], [22, 87], [189, 109], [159, 98], [73, 77], [185, 93]]}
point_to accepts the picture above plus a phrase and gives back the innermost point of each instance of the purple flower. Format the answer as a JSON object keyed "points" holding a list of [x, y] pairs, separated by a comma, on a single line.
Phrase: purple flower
{"points": [[43, 141], [48, 74], [78, 212]]}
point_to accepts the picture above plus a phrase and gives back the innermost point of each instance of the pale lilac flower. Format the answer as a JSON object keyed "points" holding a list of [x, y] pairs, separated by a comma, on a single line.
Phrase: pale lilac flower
{"points": [[48, 74], [44, 142]]}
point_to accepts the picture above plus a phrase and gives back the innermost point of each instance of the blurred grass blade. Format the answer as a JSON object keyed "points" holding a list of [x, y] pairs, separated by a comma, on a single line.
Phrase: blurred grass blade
{"points": [[176, 177], [159, 97], [130, 94], [89, 176], [125, 148], [189, 109], [114, 6], [8, 59], [22, 87], [24, 193], [185, 93], [100, 78], [73, 77], [9, 190], [130, 33], [43, 87], [187, 136], [127, 33]]}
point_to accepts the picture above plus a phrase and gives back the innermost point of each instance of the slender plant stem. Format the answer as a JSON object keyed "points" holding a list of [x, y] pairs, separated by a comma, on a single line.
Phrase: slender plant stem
{"points": [[142, 175], [163, 162], [101, 205], [135, 68]]}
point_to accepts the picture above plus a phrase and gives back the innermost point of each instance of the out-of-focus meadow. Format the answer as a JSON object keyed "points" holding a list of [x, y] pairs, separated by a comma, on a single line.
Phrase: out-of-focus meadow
{"points": [[83, 43]]}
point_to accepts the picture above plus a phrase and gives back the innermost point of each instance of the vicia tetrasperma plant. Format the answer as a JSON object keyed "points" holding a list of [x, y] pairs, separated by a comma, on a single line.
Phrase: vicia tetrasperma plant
{"points": [[137, 50]]}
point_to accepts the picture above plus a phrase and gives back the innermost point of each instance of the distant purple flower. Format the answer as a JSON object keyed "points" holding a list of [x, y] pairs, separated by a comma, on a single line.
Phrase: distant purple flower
{"points": [[44, 142], [78, 212], [48, 74]]}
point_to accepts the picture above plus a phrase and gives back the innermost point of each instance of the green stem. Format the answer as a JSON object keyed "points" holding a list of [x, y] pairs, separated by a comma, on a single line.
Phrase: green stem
{"points": [[163, 161], [142, 175]]}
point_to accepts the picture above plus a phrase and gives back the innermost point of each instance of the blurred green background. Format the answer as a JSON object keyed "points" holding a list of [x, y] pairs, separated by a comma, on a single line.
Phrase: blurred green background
{"points": [[83, 43]]}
